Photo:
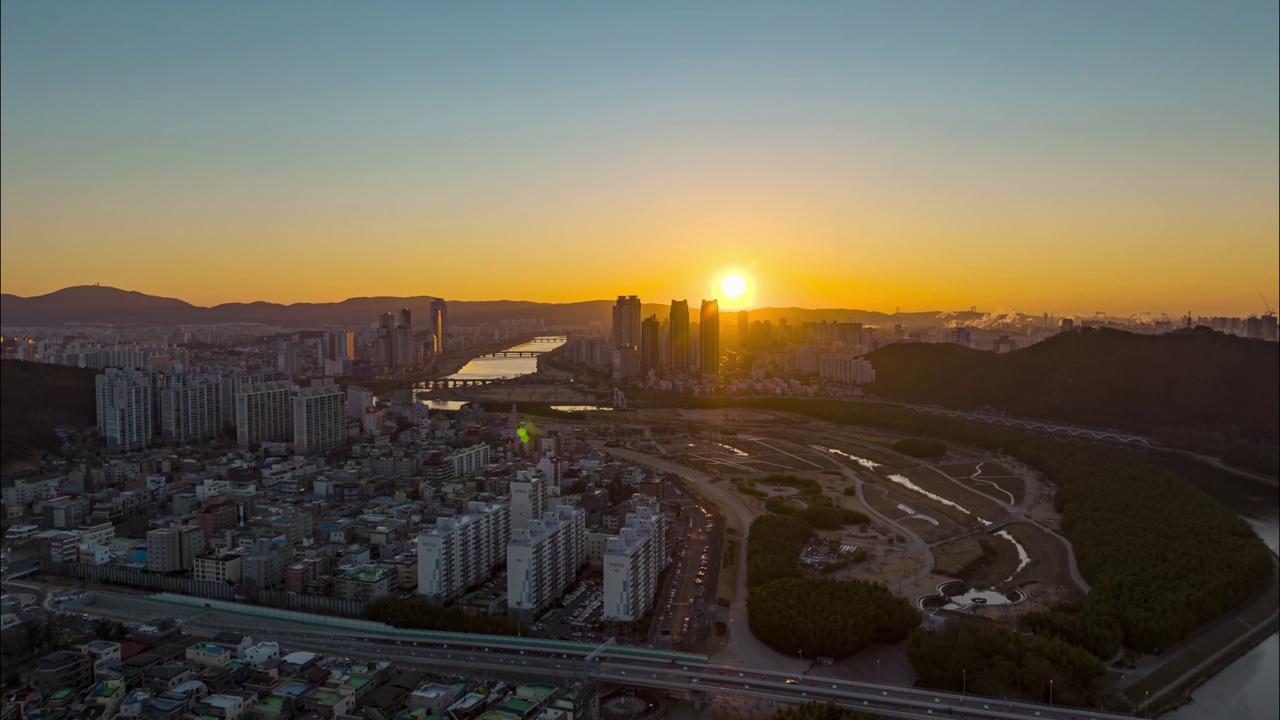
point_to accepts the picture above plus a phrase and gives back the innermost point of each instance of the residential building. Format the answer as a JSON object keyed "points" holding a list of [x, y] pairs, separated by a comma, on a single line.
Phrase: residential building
{"points": [[319, 418], [439, 326], [174, 548], [220, 567], [190, 407], [528, 499], [264, 413], [626, 322], [125, 419], [679, 321], [543, 560], [709, 337], [365, 582], [462, 550]]}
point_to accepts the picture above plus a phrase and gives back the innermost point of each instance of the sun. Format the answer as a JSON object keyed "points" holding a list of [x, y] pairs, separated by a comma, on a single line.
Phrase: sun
{"points": [[733, 286]]}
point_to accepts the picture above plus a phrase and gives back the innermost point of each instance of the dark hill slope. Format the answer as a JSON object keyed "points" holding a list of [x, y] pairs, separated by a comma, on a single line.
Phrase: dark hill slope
{"points": [[1200, 382], [35, 398]]}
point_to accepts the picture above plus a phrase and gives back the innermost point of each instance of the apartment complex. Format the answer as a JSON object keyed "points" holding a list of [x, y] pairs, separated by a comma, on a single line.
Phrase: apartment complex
{"points": [[632, 563], [543, 560], [190, 407], [528, 499], [319, 418], [462, 550], [264, 413], [125, 420]]}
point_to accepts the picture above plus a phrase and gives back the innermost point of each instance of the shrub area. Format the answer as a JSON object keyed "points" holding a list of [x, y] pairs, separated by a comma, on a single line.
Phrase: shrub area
{"points": [[921, 447]]}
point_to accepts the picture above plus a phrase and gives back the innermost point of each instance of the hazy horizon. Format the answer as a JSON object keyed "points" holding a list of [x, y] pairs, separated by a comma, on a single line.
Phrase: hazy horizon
{"points": [[1052, 158]]}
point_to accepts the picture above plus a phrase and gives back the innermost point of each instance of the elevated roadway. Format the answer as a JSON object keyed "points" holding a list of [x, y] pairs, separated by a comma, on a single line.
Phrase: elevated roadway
{"points": [[682, 675]]}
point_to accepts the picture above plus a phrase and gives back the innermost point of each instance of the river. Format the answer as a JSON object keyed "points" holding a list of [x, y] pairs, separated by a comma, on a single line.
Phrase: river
{"points": [[504, 368], [1246, 688]]}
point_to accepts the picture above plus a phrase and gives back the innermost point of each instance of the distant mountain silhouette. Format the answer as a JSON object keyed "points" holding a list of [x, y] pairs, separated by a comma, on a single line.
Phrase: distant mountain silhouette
{"points": [[99, 304], [1189, 385]]}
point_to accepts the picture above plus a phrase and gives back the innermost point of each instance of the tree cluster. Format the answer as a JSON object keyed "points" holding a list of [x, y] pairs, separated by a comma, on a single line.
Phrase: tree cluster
{"points": [[420, 614], [921, 447], [813, 617], [986, 659]]}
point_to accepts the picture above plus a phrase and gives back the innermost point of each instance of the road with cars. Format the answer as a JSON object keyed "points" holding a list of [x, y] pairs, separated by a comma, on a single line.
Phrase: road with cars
{"points": [[697, 681]]}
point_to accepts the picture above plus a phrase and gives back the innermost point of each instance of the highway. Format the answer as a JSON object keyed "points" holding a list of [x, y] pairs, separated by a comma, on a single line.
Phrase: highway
{"points": [[704, 681], [683, 675]]}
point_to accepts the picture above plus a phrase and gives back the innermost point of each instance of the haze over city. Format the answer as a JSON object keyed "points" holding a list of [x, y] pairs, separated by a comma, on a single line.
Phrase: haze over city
{"points": [[1117, 156]]}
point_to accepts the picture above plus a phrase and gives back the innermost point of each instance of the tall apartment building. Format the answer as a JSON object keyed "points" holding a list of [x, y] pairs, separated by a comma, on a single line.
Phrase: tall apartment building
{"points": [[626, 322], [709, 337], [632, 563], [679, 320], [650, 345], [125, 419], [845, 369], [439, 326], [470, 461], [528, 499], [171, 549], [463, 550], [236, 380], [319, 418], [384, 343], [190, 407], [404, 347], [543, 561], [264, 413]]}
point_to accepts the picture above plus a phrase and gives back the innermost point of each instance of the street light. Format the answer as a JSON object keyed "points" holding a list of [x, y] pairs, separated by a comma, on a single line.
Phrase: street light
{"points": [[964, 683], [877, 671], [1050, 692]]}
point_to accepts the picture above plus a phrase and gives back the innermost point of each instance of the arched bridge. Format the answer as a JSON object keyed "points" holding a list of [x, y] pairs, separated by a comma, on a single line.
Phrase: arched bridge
{"points": [[1034, 425]]}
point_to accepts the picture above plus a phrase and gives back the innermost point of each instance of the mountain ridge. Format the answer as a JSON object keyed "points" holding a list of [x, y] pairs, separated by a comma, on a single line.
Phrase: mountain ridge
{"points": [[100, 304]]}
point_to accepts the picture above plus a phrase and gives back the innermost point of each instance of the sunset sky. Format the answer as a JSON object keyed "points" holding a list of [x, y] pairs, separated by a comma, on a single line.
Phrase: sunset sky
{"points": [[1064, 157]]}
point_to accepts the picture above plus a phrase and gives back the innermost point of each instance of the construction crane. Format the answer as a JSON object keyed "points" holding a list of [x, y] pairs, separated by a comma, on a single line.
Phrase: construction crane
{"points": [[1266, 304]]}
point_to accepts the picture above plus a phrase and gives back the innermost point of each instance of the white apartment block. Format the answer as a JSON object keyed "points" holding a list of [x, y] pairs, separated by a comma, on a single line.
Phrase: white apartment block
{"points": [[468, 462], [171, 549], [190, 407], [264, 413], [528, 499], [124, 409], [463, 550], [319, 418], [543, 561], [358, 400], [632, 563], [845, 369]]}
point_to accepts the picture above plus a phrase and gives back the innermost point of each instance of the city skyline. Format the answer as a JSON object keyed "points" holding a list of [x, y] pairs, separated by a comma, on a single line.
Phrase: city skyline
{"points": [[1121, 158]]}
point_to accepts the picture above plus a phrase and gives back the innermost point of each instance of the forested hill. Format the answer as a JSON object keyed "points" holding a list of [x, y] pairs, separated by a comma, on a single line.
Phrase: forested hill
{"points": [[1199, 386], [36, 398]]}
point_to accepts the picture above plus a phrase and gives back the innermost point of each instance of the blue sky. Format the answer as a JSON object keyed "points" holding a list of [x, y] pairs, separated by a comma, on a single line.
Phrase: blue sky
{"points": [[309, 127]]}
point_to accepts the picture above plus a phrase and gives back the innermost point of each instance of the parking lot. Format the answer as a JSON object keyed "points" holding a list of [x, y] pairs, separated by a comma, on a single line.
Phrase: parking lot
{"points": [[579, 613]]}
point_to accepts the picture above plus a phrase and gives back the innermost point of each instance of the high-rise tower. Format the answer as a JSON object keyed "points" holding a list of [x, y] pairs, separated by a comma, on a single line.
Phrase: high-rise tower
{"points": [[679, 336], [626, 322], [439, 325], [709, 341]]}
